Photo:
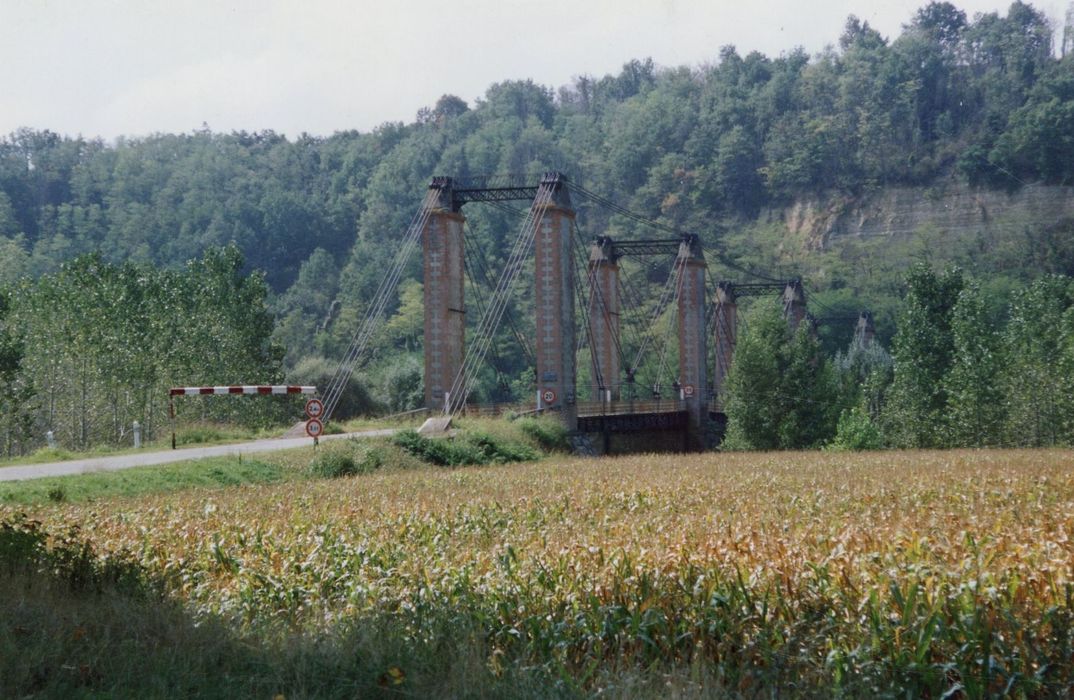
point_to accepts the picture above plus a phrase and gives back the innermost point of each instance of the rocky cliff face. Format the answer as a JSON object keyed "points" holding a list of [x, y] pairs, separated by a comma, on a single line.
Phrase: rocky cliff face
{"points": [[952, 207]]}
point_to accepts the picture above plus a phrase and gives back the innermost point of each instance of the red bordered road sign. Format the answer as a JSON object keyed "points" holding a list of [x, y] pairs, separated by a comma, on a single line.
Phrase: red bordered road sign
{"points": [[688, 390], [548, 396], [314, 428], [314, 408]]}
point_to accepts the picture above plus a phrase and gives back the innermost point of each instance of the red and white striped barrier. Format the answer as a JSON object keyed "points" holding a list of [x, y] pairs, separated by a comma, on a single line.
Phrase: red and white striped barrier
{"points": [[245, 389]]}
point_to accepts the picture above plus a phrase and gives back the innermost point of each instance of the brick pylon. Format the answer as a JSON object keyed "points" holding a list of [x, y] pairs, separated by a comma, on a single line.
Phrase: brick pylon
{"points": [[693, 376], [555, 303], [604, 318], [445, 309]]}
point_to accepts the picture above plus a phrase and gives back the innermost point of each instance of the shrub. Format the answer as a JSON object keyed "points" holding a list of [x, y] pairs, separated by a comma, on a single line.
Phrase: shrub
{"points": [[856, 431], [475, 448], [548, 434], [499, 451], [443, 453], [331, 464]]}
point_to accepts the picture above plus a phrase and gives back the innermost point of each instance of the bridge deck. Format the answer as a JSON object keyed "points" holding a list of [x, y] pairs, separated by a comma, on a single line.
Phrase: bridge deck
{"points": [[590, 412]]}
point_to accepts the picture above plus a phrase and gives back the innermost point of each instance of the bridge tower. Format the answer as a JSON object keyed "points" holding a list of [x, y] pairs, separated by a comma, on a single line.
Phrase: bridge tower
{"points": [[693, 378], [604, 305], [865, 331], [445, 310], [726, 334], [794, 303], [554, 296]]}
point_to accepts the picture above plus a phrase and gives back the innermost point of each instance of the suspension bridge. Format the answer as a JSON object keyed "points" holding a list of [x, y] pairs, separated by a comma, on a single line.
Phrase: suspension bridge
{"points": [[633, 391]]}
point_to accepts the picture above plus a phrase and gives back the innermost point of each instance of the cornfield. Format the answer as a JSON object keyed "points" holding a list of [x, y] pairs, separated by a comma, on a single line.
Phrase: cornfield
{"points": [[916, 574]]}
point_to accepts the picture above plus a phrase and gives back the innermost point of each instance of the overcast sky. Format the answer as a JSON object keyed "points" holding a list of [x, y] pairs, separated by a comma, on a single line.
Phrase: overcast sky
{"points": [[133, 67]]}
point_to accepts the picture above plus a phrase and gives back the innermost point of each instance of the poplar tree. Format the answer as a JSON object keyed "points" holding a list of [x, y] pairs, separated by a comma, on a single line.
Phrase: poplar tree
{"points": [[1037, 380], [781, 391], [923, 350], [975, 397]]}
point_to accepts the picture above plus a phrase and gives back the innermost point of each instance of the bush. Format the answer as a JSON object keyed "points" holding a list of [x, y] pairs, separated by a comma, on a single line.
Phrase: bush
{"points": [[332, 464], [856, 431], [548, 434], [498, 451], [476, 448], [443, 453]]}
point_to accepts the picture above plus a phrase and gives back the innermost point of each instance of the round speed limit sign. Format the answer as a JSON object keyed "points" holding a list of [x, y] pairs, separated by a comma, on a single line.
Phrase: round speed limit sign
{"points": [[549, 396], [314, 408], [688, 390], [314, 428]]}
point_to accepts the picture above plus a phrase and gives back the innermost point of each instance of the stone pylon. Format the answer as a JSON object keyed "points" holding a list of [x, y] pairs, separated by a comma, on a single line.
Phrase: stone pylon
{"points": [[693, 355], [445, 308], [554, 297], [604, 305]]}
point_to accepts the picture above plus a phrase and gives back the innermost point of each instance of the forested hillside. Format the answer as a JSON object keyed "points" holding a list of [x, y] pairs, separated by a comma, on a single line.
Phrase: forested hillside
{"points": [[714, 149]]}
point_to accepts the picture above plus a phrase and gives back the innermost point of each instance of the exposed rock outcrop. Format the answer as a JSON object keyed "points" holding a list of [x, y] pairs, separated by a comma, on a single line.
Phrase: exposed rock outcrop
{"points": [[954, 207]]}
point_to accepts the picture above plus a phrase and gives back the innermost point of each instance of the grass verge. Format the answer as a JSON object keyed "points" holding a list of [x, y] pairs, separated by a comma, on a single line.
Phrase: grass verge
{"points": [[214, 472], [479, 441]]}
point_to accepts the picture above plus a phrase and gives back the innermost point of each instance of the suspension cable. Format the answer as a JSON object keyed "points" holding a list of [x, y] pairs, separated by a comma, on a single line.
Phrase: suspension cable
{"points": [[475, 355], [665, 297], [375, 313], [486, 277], [495, 359]]}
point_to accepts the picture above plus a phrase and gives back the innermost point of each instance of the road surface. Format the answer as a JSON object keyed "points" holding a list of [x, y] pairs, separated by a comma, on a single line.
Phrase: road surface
{"points": [[145, 459]]}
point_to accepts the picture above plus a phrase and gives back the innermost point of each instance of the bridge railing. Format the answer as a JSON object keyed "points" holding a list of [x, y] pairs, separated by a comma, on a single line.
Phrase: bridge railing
{"points": [[585, 408], [493, 410], [626, 406]]}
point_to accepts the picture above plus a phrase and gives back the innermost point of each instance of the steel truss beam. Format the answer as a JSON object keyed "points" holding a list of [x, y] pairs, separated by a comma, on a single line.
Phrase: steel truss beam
{"points": [[653, 246]]}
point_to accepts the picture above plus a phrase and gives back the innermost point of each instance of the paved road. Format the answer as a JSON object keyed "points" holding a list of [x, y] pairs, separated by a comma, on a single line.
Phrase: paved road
{"points": [[145, 459]]}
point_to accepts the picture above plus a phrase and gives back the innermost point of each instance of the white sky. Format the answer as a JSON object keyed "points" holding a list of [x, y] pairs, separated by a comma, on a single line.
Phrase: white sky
{"points": [[133, 67]]}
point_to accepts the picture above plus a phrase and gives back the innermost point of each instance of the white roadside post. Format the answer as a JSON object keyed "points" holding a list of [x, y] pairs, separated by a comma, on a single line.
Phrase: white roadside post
{"points": [[137, 435]]}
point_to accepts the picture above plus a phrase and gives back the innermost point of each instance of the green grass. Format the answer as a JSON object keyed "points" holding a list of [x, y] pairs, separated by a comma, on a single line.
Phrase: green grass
{"points": [[202, 435], [214, 472], [478, 441]]}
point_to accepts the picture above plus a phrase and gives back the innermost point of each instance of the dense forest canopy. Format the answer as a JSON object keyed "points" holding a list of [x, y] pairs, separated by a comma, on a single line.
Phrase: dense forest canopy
{"points": [[980, 100]]}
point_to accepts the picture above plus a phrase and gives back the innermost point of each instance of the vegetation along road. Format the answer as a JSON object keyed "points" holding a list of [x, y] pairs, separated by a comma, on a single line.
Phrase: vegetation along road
{"points": [[145, 459]]}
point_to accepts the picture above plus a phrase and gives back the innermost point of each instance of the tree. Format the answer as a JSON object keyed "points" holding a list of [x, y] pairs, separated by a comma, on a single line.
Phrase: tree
{"points": [[16, 392], [923, 350], [104, 342], [753, 402], [781, 393], [1037, 381], [976, 402]]}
